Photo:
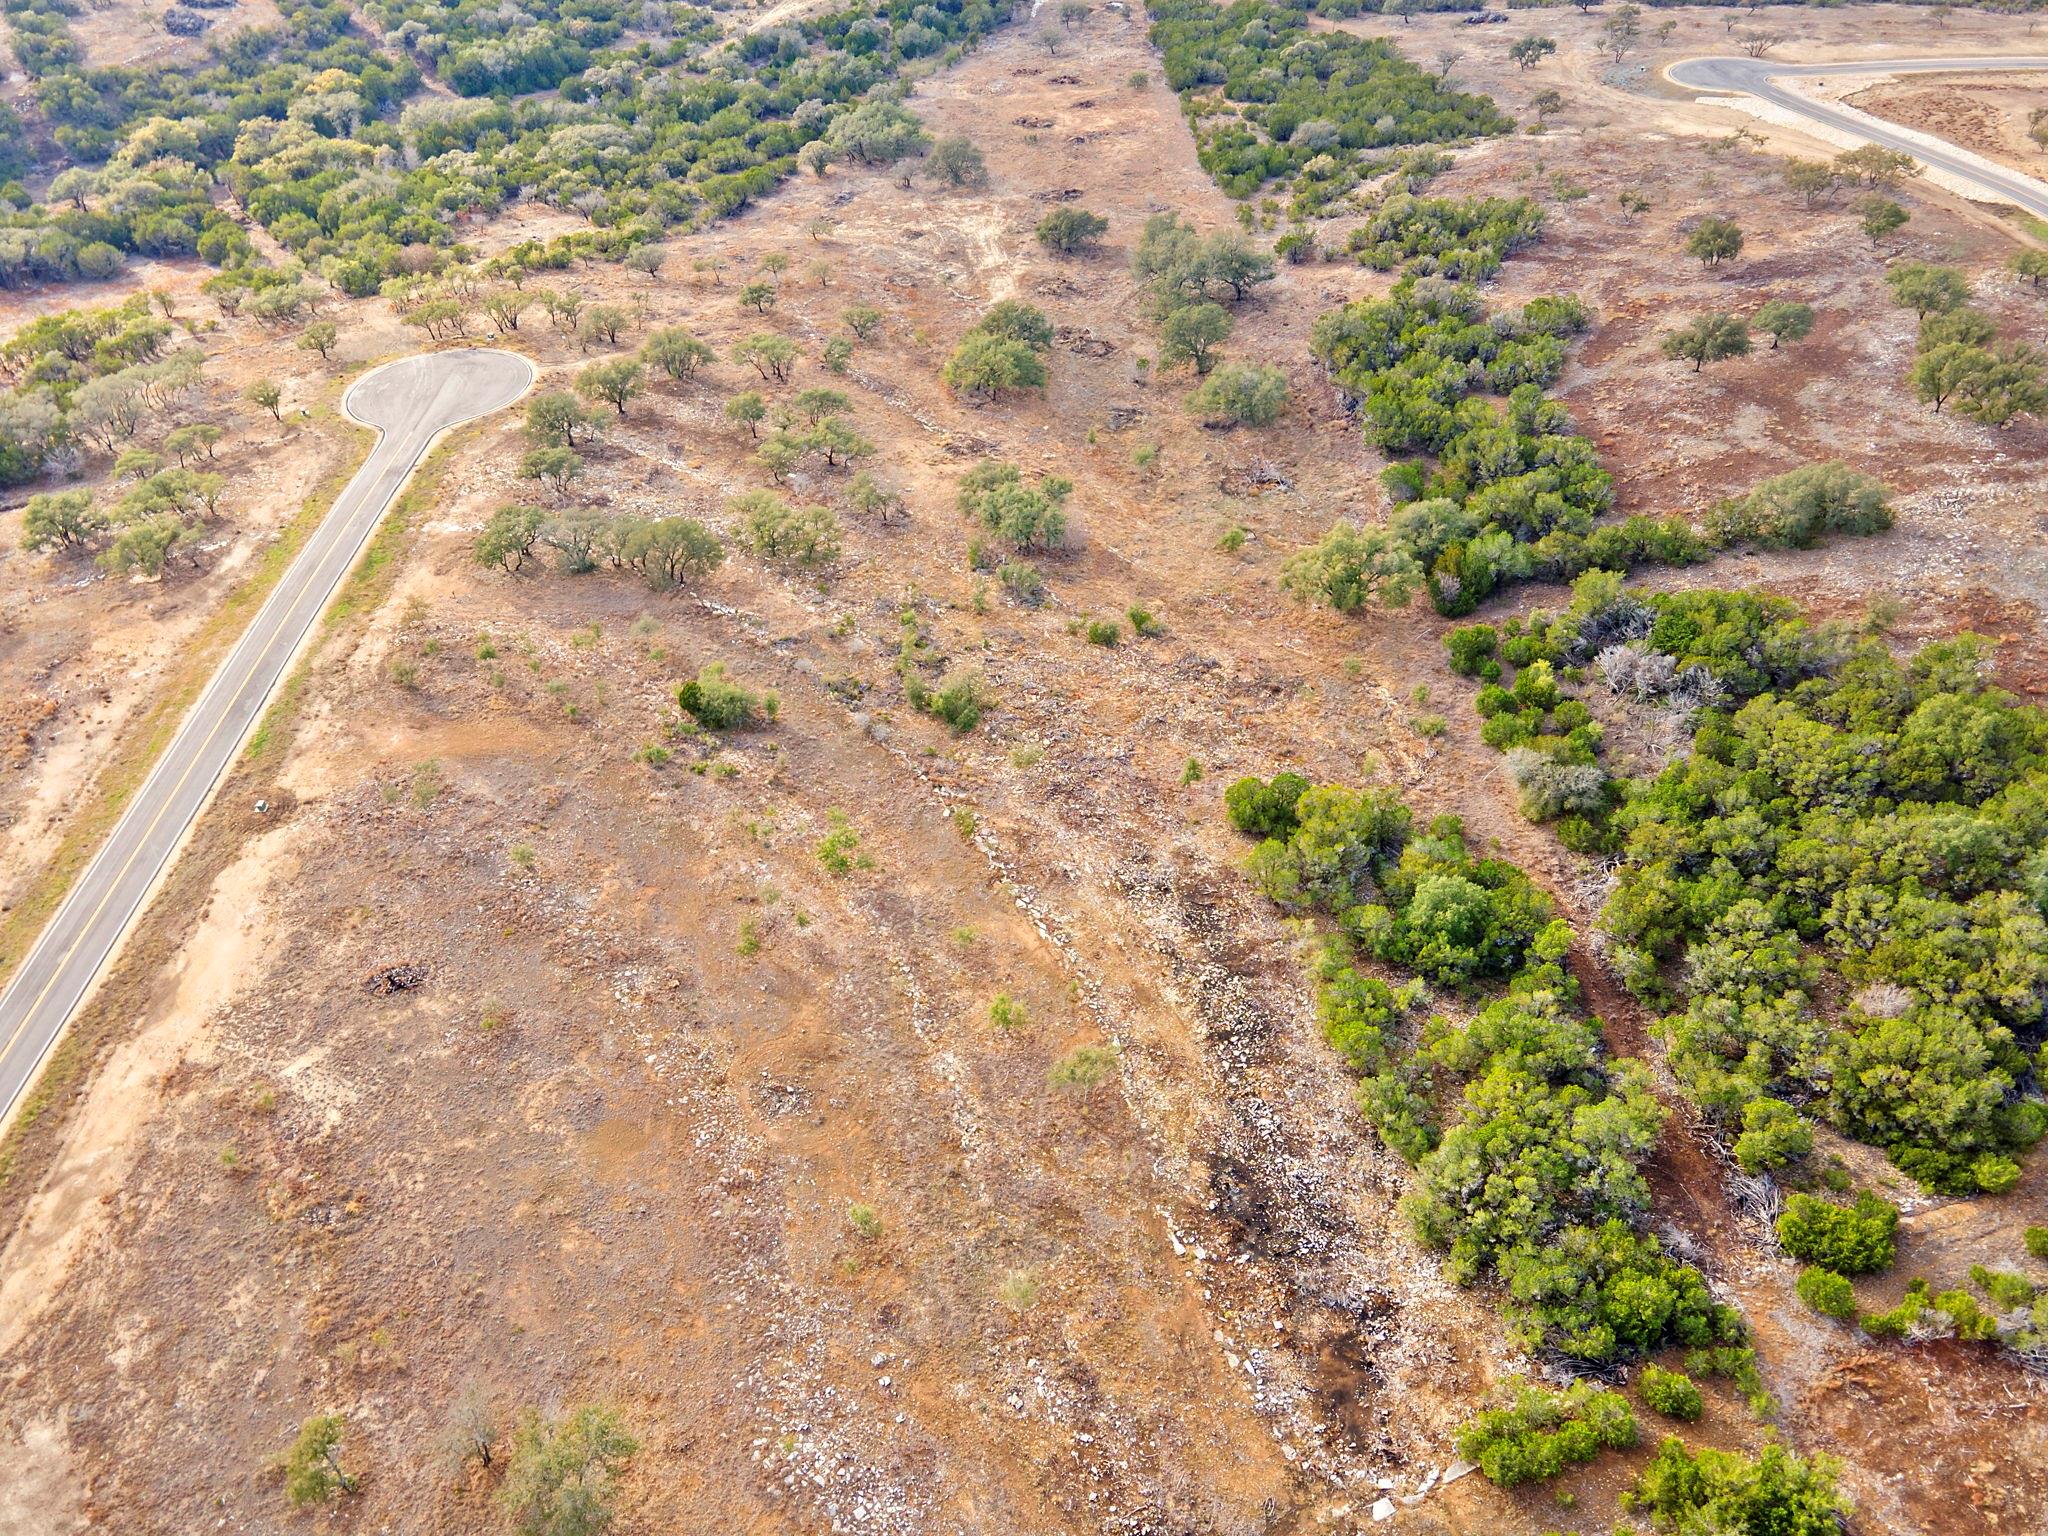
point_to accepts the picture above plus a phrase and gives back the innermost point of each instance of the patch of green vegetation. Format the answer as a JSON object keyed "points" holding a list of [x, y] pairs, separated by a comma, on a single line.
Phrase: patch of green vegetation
{"points": [[1541, 1433], [1271, 98], [1845, 811], [1527, 1138], [646, 126]]}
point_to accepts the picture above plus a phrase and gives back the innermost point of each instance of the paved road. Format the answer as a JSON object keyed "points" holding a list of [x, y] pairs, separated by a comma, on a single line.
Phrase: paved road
{"points": [[1758, 77], [410, 402]]}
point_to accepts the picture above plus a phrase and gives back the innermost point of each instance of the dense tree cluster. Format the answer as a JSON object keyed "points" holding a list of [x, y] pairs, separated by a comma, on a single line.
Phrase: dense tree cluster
{"points": [[1270, 98], [1493, 481], [1526, 1137], [479, 49], [666, 551], [1676, 653], [328, 142], [89, 379], [1461, 238], [1196, 281], [996, 496], [1847, 813]]}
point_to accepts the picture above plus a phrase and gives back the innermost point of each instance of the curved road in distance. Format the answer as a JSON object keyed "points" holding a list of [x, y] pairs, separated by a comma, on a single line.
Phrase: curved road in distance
{"points": [[1756, 77], [410, 403]]}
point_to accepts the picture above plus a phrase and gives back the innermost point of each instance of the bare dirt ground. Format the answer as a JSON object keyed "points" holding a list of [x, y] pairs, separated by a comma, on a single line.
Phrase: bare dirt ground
{"points": [[607, 1150], [130, 33], [1981, 112]]}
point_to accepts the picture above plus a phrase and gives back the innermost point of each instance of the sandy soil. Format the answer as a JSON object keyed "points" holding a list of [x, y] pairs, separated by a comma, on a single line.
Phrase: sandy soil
{"points": [[607, 1150]]}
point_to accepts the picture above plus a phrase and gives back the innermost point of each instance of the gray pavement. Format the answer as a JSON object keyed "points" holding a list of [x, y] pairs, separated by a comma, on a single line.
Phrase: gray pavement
{"points": [[410, 402], [1758, 78]]}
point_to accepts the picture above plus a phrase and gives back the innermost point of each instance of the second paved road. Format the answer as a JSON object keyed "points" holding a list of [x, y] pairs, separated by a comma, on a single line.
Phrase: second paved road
{"points": [[1759, 77], [410, 403]]}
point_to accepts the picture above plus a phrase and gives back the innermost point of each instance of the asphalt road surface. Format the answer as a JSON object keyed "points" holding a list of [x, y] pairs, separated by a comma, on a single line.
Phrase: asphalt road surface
{"points": [[1757, 77], [410, 403]]}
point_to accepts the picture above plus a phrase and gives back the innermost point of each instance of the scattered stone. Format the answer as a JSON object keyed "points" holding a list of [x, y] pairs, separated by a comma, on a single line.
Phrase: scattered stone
{"points": [[395, 978]]}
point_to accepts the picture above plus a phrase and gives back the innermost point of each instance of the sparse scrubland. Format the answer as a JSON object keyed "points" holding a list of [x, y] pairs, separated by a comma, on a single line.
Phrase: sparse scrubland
{"points": [[880, 909]]}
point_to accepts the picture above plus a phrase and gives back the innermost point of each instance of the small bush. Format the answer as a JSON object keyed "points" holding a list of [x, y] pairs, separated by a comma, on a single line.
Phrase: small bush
{"points": [[1471, 647], [2008, 1291], [960, 701], [2037, 1242], [1772, 1136], [1006, 1013], [1083, 1067], [1544, 1432], [1856, 1239], [839, 851], [1104, 632], [1241, 394], [1670, 1393], [1827, 1293], [718, 703], [1023, 582], [1262, 809]]}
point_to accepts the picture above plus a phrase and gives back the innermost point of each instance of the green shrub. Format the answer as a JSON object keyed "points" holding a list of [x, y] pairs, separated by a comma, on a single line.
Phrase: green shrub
{"points": [[1828, 1293], [1772, 1136], [1263, 809], [1670, 1393], [1084, 1067], [1471, 647], [718, 703], [2037, 1242], [1543, 1432], [1241, 394], [2008, 1291], [1067, 230], [1855, 1239], [1734, 1363], [1715, 1490], [1103, 632], [1894, 1323], [1796, 509], [960, 701], [840, 850]]}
